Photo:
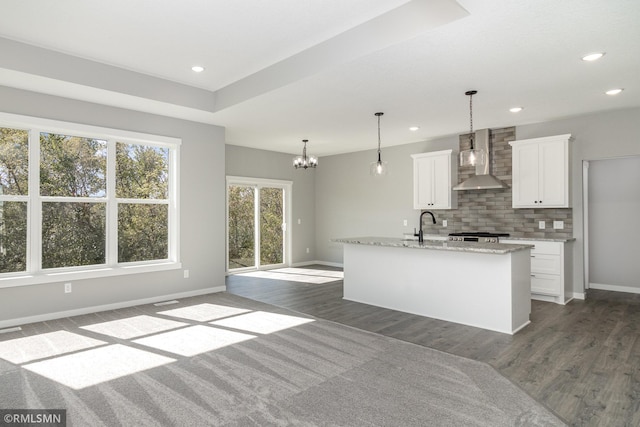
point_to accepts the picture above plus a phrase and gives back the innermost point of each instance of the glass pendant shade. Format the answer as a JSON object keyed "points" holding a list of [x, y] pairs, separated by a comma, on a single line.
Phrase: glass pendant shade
{"points": [[305, 161], [472, 157], [379, 168]]}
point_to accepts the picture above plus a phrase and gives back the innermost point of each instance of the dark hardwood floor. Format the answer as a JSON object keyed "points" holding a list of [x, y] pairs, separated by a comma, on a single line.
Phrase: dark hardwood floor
{"points": [[581, 360]]}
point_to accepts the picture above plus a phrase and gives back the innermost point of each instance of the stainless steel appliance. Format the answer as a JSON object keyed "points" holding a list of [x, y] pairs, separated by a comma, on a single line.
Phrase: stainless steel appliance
{"points": [[477, 236]]}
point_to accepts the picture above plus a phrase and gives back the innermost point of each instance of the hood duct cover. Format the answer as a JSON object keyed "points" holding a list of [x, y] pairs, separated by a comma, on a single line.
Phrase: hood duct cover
{"points": [[482, 180]]}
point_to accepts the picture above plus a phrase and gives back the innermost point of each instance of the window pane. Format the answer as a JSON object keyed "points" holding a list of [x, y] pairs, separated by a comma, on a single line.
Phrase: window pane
{"points": [[141, 171], [73, 234], [271, 219], [14, 161], [13, 236], [72, 166], [241, 227], [142, 232]]}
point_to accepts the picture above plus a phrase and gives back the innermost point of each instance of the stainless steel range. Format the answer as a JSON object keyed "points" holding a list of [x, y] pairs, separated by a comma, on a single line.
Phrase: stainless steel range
{"points": [[477, 236]]}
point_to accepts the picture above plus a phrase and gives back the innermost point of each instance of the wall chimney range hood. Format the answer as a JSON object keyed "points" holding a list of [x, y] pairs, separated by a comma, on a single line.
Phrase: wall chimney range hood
{"points": [[482, 180]]}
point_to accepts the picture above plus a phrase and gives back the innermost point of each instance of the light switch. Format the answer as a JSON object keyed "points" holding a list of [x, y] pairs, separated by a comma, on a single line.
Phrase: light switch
{"points": [[541, 225], [558, 225]]}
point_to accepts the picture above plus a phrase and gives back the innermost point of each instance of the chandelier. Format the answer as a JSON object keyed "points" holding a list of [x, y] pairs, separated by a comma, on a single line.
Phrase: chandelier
{"points": [[305, 161]]}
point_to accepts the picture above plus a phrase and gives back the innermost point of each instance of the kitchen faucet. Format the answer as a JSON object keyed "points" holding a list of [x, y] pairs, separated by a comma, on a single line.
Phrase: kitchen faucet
{"points": [[420, 234]]}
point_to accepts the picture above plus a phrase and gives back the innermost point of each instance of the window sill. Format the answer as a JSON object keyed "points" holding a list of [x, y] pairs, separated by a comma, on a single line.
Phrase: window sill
{"points": [[92, 273]]}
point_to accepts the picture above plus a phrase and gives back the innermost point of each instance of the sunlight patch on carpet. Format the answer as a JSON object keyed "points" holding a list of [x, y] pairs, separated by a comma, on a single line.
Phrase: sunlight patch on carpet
{"points": [[262, 322], [41, 346], [96, 366], [204, 312], [193, 340], [133, 327]]}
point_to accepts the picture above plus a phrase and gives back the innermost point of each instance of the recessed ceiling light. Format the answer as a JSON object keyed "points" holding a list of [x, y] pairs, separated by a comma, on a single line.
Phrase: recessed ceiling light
{"points": [[414, 128], [593, 56], [515, 109], [197, 68], [614, 91]]}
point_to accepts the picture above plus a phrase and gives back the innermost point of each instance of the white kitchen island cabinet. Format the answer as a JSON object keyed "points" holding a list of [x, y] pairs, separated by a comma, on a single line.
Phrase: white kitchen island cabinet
{"points": [[541, 172], [481, 285]]}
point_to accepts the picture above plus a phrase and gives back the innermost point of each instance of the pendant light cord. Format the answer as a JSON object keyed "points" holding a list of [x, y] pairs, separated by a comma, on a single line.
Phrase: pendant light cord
{"points": [[379, 157], [471, 93]]}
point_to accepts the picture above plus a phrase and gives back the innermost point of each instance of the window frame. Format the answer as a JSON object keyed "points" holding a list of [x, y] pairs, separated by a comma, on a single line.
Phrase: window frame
{"points": [[257, 184], [34, 273]]}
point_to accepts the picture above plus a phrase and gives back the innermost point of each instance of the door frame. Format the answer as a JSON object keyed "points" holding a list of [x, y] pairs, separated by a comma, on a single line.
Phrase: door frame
{"points": [[258, 183]]}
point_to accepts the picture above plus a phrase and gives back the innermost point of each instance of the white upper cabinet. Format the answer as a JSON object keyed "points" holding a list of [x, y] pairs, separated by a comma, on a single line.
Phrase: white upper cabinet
{"points": [[541, 172], [432, 176]]}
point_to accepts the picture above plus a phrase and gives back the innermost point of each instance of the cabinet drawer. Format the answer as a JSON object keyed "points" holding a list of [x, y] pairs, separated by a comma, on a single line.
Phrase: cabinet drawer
{"points": [[545, 284], [551, 248], [547, 248], [545, 264]]}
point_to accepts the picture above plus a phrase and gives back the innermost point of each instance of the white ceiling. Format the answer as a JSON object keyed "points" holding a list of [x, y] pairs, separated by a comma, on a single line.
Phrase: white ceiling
{"points": [[280, 71]]}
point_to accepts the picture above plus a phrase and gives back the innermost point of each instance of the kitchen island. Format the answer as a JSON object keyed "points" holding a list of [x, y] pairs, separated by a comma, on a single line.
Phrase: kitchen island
{"points": [[476, 284]]}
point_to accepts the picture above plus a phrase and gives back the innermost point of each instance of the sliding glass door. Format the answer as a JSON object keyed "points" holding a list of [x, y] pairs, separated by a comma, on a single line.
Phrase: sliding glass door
{"points": [[257, 236]]}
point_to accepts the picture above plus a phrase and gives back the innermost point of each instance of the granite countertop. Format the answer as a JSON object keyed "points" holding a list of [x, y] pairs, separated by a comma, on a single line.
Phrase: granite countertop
{"points": [[541, 239], [486, 248], [510, 238]]}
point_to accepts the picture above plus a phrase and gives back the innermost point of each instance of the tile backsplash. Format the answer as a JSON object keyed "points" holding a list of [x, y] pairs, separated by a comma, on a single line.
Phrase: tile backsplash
{"points": [[490, 210]]}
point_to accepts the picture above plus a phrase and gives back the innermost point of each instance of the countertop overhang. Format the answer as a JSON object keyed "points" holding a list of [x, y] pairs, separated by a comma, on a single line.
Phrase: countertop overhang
{"points": [[486, 248]]}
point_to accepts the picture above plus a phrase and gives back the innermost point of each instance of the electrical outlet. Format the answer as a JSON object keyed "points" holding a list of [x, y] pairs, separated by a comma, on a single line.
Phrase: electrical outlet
{"points": [[299, 221], [186, 274], [558, 225], [404, 222], [67, 288], [444, 222], [541, 225], [307, 250]]}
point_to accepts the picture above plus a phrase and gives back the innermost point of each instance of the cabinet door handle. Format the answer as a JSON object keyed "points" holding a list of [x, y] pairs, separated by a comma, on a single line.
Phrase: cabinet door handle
{"points": [[533, 275]]}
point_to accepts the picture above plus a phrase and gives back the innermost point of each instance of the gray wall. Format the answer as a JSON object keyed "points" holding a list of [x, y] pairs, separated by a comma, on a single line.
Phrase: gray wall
{"points": [[352, 203], [614, 204], [247, 162], [202, 203]]}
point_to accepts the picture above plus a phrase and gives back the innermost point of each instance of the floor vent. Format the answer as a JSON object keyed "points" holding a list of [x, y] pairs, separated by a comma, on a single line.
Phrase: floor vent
{"points": [[7, 330], [158, 304]]}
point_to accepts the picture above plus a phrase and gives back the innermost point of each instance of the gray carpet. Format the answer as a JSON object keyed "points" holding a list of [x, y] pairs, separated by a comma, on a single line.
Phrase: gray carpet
{"points": [[229, 370]]}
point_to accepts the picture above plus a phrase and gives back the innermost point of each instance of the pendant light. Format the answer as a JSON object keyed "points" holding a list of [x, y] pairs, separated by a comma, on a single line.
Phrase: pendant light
{"points": [[305, 161], [379, 168], [471, 157]]}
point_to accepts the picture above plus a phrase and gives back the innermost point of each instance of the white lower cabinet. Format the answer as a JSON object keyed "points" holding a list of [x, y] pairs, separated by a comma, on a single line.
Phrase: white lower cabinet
{"points": [[551, 270]]}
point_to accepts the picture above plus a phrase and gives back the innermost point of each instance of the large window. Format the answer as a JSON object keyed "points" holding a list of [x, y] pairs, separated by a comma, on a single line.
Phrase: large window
{"points": [[78, 199]]}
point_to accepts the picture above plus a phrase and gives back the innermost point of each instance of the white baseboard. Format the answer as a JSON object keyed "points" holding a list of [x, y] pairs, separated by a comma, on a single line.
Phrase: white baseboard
{"points": [[306, 263], [578, 295], [106, 307], [616, 288]]}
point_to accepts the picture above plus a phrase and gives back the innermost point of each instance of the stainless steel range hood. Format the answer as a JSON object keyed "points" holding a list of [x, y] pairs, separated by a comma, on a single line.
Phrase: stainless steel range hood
{"points": [[482, 180]]}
